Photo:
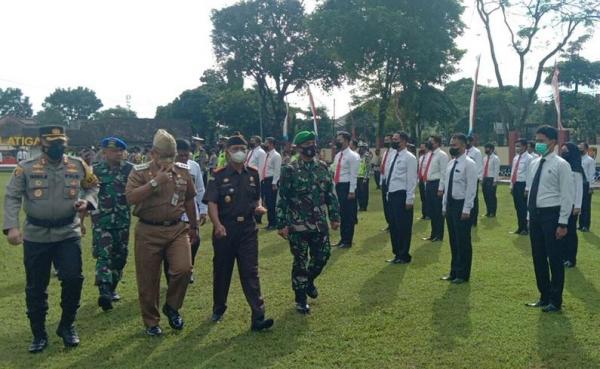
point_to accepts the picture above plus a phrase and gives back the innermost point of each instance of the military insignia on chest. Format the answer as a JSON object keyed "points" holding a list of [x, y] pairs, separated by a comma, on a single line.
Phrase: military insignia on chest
{"points": [[38, 193], [225, 180], [227, 199]]}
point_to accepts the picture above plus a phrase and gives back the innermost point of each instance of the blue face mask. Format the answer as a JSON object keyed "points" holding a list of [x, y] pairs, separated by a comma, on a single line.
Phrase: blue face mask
{"points": [[541, 148]]}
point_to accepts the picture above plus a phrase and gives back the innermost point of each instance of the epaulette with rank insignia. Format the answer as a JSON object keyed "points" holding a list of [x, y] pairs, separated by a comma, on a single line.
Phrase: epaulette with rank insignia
{"points": [[182, 165], [252, 168], [219, 170], [142, 166]]}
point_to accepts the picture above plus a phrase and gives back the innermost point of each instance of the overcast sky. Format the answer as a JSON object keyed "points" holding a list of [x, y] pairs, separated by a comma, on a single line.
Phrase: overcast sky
{"points": [[153, 50]]}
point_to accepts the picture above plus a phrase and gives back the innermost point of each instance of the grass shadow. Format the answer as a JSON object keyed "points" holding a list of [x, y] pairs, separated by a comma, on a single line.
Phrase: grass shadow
{"points": [[450, 317], [382, 288], [581, 288], [591, 238], [426, 254]]}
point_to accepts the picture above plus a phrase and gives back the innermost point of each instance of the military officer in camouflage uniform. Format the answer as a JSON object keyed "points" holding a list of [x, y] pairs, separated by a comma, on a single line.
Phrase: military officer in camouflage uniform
{"points": [[306, 197], [53, 189], [111, 220]]}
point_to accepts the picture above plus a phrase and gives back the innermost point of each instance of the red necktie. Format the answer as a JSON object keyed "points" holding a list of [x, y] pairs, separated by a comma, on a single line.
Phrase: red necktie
{"points": [[264, 171], [338, 169], [485, 170], [427, 167], [421, 168], [513, 179], [382, 169]]}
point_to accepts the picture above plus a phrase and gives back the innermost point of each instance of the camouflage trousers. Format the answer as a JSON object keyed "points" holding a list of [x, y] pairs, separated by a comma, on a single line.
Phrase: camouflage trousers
{"points": [[110, 251], [311, 251]]}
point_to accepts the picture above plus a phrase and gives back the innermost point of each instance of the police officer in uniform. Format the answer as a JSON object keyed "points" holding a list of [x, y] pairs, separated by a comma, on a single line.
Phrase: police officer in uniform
{"points": [[111, 220], [53, 189], [161, 191], [306, 199], [362, 184], [233, 198]]}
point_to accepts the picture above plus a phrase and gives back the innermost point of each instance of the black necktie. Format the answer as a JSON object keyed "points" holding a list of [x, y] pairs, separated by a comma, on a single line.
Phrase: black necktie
{"points": [[532, 204], [451, 179], [389, 176]]}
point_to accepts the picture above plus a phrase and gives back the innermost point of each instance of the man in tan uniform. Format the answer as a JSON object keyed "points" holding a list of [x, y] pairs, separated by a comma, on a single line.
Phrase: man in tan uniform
{"points": [[52, 188], [161, 191]]}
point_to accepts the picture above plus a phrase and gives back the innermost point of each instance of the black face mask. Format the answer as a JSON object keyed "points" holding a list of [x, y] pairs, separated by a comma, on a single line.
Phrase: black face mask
{"points": [[469, 146], [338, 145], [487, 152], [309, 151], [429, 146], [582, 152], [395, 145], [251, 145], [454, 152], [55, 151], [565, 155], [386, 145]]}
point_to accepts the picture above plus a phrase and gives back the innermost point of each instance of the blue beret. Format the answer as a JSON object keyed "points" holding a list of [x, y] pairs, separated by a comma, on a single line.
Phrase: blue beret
{"points": [[113, 143]]}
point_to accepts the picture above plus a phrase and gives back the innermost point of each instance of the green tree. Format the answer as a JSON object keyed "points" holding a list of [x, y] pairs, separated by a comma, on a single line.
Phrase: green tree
{"points": [[116, 112], [74, 104], [12, 102], [387, 46], [50, 116], [269, 42]]}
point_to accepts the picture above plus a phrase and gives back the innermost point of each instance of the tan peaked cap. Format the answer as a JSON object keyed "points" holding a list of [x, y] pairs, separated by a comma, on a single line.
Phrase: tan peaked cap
{"points": [[165, 143]]}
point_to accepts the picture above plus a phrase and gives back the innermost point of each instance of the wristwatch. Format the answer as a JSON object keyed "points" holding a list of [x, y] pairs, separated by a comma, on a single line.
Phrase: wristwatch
{"points": [[153, 184]]}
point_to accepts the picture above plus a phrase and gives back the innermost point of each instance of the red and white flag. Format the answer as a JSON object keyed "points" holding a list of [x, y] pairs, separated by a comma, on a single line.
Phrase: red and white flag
{"points": [[313, 109], [556, 93]]}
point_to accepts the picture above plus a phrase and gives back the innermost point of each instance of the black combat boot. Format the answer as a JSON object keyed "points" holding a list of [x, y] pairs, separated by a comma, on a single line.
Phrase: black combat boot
{"points": [[260, 324], [114, 295], [40, 337], [301, 305], [311, 290], [105, 298], [68, 334]]}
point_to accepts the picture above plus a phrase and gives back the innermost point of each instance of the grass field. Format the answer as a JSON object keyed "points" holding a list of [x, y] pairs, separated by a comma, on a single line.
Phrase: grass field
{"points": [[369, 314]]}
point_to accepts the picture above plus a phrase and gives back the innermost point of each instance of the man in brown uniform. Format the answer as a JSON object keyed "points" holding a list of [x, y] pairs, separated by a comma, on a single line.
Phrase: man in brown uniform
{"points": [[233, 198], [161, 191]]}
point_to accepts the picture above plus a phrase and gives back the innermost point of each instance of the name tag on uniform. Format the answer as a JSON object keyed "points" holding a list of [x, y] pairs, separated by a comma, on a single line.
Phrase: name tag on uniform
{"points": [[175, 199]]}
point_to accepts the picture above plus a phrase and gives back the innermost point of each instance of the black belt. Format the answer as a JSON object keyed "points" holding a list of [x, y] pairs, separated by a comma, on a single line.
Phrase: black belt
{"points": [[166, 223], [50, 223], [240, 219], [433, 180], [543, 211]]}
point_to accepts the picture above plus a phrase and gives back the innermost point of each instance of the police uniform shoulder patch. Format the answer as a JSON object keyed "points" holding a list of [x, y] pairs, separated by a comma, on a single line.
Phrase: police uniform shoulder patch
{"points": [[182, 165], [252, 168], [18, 171], [89, 178], [218, 170], [142, 166]]}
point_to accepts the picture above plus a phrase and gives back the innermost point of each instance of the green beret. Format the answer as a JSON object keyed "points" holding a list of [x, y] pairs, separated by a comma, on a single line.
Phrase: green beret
{"points": [[304, 136]]}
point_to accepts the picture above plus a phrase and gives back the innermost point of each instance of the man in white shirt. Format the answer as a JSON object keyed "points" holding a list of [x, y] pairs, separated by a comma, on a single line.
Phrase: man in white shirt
{"points": [[423, 151], [474, 153], [531, 150], [518, 177], [387, 157], [401, 182], [255, 158], [269, 174], [550, 202], [22, 154], [458, 201], [434, 176], [184, 149], [589, 170], [345, 164], [491, 171]]}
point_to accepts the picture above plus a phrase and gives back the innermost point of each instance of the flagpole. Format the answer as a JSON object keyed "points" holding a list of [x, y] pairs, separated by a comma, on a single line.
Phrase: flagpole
{"points": [[473, 105]]}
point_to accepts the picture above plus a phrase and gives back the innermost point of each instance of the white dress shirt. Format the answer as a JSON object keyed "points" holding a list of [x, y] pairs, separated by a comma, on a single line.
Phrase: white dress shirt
{"points": [[533, 154], [555, 186], [437, 168], [272, 166], [386, 160], [24, 155], [349, 167], [578, 180], [475, 154], [196, 173], [493, 166], [523, 169], [403, 177], [589, 167], [256, 159], [464, 182]]}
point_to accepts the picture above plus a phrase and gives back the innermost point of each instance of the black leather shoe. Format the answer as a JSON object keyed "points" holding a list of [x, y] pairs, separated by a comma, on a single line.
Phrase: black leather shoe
{"points": [[154, 331], [216, 317], [312, 291], [448, 278], [569, 264], [261, 324], [345, 246], [537, 304], [401, 261], [302, 308], [175, 320], [105, 298], [458, 281], [38, 344], [192, 278], [524, 233], [436, 239], [584, 229], [550, 308], [69, 335], [518, 231], [115, 296], [427, 238]]}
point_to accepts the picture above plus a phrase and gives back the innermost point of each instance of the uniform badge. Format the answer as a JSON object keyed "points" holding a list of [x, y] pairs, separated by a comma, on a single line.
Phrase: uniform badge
{"points": [[231, 190], [251, 179], [72, 192], [38, 183], [227, 199], [37, 193], [74, 182], [225, 180], [18, 171]]}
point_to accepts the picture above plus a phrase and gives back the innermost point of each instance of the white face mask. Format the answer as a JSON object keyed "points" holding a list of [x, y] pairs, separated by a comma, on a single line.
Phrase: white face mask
{"points": [[238, 157]]}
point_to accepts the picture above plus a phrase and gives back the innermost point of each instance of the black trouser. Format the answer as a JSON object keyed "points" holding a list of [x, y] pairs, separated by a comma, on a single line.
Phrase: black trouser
{"points": [[38, 257], [571, 240], [459, 232], [401, 221], [385, 207], [195, 248], [434, 209], [241, 244], [362, 193], [520, 201], [423, 196], [475, 210], [348, 213], [586, 207], [377, 176], [270, 198], [546, 252], [489, 195]]}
